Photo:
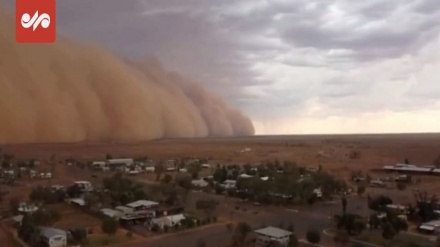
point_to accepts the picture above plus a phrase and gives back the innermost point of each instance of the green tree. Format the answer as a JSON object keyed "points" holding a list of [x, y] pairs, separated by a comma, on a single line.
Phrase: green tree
{"points": [[159, 169], [45, 217], [29, 231], [401, 186], [388, 232], [293, 241], [109, 225], [167, 179], [313, 236], [91, 200], [242, 229], [361, 189]]}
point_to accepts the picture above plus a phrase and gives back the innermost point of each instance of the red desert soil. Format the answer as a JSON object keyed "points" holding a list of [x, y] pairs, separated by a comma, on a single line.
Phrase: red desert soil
{"points": [[330, 151]]}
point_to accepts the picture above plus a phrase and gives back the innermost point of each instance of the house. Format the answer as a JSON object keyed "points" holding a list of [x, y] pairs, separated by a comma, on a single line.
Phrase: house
{"points": [[142, 205], [100, 165], [16, 220], [165, 211], [430, 227], [229, 184], [78, 202], [27, 208], [168, 221], [85, 186], [377, 183], [116, 214], [124, 209], [149, 168], [120, 162], [272, 234], [52, 237], [244, 175], [199, 183]]}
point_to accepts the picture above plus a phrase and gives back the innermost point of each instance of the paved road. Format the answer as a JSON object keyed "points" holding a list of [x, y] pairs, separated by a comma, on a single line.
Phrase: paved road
{"points": [[317, 217], [219, 235]]}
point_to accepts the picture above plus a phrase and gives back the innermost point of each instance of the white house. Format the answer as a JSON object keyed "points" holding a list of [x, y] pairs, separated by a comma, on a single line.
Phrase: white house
{"points": [[271, 234], [27, 208], [53, 237], [229, 184], [199, 183], [124, 161], [169, 221], [111, 213], [85, 186], [430, 227], [124, 209]]}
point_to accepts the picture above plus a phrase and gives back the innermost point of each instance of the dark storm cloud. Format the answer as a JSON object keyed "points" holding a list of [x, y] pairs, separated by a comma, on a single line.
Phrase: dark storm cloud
{"points": [[220, 43]]}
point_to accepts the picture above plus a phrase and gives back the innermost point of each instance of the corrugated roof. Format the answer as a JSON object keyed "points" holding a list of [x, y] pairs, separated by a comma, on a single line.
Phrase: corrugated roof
{"points": [[49, 232], [139, 203], [273, 232]]}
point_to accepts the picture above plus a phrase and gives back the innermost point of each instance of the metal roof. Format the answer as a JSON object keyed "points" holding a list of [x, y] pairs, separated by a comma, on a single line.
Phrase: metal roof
{"points": [[49, 232], [273, 232], [144, 203]]}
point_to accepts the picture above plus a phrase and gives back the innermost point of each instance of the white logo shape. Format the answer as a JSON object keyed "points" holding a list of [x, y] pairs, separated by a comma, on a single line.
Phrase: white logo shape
{"points": [[27, 22]]}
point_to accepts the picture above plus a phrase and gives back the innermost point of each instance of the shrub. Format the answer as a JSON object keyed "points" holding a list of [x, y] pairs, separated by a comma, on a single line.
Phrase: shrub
{"points": [[105, 242], [401, 186]]}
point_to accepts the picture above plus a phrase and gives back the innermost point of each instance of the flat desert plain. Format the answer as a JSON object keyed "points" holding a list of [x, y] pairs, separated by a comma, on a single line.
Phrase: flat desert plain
{"points": [[330, 151]]}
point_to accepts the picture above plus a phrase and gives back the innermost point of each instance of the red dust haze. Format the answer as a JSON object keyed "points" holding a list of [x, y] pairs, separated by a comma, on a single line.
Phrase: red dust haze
{"points": [[71, 92]]}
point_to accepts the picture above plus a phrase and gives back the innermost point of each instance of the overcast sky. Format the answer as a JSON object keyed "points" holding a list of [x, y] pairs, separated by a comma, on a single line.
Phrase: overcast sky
{"points": [[295, 66]]}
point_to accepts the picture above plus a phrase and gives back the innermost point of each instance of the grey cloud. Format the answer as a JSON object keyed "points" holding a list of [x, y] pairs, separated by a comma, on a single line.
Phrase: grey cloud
{"points": [[217, 42]]}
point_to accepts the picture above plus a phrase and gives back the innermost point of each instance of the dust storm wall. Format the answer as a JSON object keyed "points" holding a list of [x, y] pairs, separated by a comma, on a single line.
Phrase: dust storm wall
{"points": [[71, 92]]}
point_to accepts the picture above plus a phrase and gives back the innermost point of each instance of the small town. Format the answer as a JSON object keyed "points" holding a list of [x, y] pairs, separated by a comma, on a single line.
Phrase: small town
{"points": [[133, 202]]}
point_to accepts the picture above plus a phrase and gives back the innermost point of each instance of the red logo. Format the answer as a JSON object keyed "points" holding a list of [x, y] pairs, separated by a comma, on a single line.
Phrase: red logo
{"points": [[35, 21]]}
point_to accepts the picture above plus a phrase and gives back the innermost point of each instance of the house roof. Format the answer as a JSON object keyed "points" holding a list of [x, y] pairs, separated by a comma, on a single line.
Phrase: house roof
{"points": [[111, 212], [140, 203], [49, 232], [273, 232], [79, 201]]}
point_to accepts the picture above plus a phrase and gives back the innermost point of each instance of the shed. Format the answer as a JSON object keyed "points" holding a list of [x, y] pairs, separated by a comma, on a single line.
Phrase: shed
{"points": [[272, 234], [53, 237], [142, 205]]}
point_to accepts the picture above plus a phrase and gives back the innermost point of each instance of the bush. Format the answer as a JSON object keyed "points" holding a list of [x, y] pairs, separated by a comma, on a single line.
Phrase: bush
{"points": [[105, 242], [401, 186]]}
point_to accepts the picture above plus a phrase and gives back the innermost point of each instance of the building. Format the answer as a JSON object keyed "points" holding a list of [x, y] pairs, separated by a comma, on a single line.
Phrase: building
{"points": [[167, 221], [25, 208], [142, 205], [124, 209], [405, 168], [112, 213], [229, 184], [199, 183], [120, 162], [431, 227], [272, 234], [85, 186], [165, 211], [52, 237]]}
